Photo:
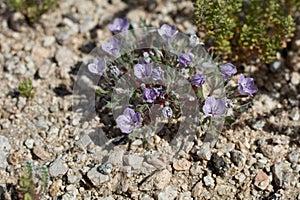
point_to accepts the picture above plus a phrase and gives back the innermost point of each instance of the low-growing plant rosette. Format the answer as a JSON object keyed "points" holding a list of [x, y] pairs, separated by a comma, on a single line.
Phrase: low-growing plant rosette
{"points": [[149, 81]]}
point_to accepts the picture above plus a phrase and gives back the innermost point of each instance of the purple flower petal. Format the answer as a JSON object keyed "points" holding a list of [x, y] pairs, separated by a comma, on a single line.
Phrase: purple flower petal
{"points": [[142, 71], [228, 70], [214, 107], [246, 86], [149, 95], [112, 47], [129, 120], [157, 74], [185, 59], [124, 124], [119, 25], [115, 70], [98, 66], [198, 80], [167, 112], [167, 32]]}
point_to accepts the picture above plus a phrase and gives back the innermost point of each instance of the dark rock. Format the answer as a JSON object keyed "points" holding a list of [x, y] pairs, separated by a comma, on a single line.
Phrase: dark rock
{"points": [[218, 165], [87, 47]]}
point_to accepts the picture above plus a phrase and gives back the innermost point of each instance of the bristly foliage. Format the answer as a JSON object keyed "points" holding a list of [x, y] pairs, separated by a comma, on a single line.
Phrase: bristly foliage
{"points": [[26, 89], [243, 29], [33, 183], [32, 9]]}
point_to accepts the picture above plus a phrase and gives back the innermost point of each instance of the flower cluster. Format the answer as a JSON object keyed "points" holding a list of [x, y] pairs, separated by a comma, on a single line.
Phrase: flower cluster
{"points": [[152, 68]]}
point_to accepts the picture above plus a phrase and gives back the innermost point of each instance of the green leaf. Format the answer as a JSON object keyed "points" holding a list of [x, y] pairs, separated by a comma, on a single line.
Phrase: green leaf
{"points": [[229, 120], [112, 105], [200, 93], [101, 91]]}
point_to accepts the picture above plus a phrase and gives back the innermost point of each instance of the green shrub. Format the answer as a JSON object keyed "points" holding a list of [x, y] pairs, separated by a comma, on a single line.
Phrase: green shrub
{"points": [[247, 30], [33, 183], [26, 89], [32, 9]]}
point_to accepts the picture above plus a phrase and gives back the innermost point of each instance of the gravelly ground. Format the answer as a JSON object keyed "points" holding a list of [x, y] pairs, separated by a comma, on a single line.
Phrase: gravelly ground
{"points": [[256, 158]]}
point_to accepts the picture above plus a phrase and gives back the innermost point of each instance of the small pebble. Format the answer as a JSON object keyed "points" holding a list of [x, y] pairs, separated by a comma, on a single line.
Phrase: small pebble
{"points": [[182, 164], [209, 181], [29, 143]]}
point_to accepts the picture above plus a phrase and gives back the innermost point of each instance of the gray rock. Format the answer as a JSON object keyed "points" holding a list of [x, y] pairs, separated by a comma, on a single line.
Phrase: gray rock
{"points": [[261, 160], [116, 158], [75, 122], [209, 181], [47, 69], [5, 124], [134, 161], [97, 178], [4, 143], [87, 24], [48, 41], [293, 157], [74, 176], [185, 196], [275, 66], [155, 161], [106, 198], [70, 195], [53, 108], [238, 159], [295, 78], [204, 152], [58, 167], [84, 141], [64, 57], [105, 168], [282, 173], [21, 103], [29, 143], [63, 35], [295, 114], [170, 193], [42, 124], [3, 158]]}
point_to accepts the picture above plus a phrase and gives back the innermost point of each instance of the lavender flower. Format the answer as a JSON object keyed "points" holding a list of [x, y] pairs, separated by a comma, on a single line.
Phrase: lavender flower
{"points": [[246, 86], [198, 80], [142, 71], [129, 120], [167, 32], [115, 70], [228, 70], [157, 74], [185, 59], [112, 47], [149, 95], [214, 107], [98, 66], [119, 25], [167, 112]]}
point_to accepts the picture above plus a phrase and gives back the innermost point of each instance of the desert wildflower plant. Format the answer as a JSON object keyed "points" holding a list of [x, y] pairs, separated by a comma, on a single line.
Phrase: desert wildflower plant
{"points": [[156, 81], [26, 89], [33, 183], [247, 30], [32, 9]]}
